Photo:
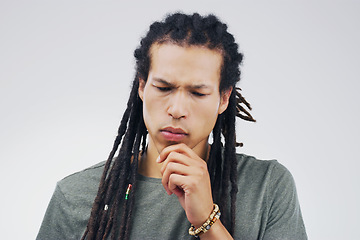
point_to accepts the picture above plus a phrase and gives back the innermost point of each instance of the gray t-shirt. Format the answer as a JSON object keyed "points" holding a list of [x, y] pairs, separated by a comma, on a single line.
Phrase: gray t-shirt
{"points": [[267, 205]]}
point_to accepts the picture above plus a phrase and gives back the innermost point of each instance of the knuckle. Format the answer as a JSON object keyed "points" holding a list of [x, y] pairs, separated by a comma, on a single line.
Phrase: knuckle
{"points": [[203, 166], [170, 166], [171, 179], [202, 172], [164, 181], [193, 183], [182, 145], [171, 155]]}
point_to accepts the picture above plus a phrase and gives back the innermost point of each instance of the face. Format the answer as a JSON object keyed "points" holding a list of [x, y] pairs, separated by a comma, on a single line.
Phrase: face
{"points": [[181, 98]]}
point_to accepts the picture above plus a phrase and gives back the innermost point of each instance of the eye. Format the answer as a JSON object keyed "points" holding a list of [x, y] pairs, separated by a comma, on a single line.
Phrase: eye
{"points": [[163, 89], [198, 94]]}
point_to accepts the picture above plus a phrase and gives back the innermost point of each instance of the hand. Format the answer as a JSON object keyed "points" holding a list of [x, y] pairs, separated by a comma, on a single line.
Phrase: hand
{"points": [[186, 175]]}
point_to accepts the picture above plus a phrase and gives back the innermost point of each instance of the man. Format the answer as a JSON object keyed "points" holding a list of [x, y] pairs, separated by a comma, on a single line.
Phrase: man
{"points": [[167, 181]]}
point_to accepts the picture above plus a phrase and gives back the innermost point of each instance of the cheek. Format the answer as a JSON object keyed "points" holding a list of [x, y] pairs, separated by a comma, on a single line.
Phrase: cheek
{"points": [[147, 109], [207, 114], [210, 109], [151, 110]]}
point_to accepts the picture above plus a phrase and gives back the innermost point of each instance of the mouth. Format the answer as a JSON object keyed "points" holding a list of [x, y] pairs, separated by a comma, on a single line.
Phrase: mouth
{"points": [[173, 134]]}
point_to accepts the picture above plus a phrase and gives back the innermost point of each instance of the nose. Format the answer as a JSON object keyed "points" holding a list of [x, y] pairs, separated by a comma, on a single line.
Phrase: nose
{"points": [[178, 107]]}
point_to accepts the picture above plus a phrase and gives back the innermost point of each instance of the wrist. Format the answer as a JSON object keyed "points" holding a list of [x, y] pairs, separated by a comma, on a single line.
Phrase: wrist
{"points": [[198, 222], [203, 228], [217, 231]]}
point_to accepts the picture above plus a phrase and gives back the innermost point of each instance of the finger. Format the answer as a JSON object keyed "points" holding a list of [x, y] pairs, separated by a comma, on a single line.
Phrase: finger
{"points": [[176, 158], [177, 184], [180, 148], [173, 168]]}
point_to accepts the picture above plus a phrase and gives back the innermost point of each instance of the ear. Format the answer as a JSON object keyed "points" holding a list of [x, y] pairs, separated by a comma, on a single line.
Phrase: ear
{"points": [[141, 88], [224, 99]]}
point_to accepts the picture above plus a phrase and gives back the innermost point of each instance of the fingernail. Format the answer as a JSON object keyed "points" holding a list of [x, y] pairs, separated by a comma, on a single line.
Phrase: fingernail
{"points": [[158, 159]]}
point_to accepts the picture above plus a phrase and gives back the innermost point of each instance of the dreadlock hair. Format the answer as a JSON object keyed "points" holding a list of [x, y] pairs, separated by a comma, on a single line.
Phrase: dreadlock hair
{"points": [[183, 30]]}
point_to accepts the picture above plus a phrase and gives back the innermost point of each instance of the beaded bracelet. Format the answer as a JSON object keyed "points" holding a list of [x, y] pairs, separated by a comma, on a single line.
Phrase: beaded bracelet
{"points": [[215, 215]]}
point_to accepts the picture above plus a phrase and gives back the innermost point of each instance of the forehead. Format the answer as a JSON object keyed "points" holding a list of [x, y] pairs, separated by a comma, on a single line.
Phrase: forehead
{"points": [[185, 63]]}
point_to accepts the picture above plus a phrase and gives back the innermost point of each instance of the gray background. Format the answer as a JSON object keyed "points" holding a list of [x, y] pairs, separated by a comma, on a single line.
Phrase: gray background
{"points": [[65, 72]]}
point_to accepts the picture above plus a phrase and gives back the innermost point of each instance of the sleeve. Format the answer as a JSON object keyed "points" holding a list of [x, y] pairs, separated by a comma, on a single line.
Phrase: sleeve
{"points": [[57, 222], [285, 218]]}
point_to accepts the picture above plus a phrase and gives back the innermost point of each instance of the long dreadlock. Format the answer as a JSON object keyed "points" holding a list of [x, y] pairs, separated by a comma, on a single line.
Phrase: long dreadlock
{"points": [[183, 30]]}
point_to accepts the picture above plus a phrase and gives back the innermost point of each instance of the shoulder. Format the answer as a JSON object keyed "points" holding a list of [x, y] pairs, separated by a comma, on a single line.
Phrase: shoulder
{"points": [[251, 165], [69, 208], [267, 199], [82, 182], [268, 175], [269, 180]]}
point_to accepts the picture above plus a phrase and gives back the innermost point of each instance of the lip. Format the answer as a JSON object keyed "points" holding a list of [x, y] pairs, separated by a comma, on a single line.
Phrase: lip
{"points": [[174, 130], [173, 134]]}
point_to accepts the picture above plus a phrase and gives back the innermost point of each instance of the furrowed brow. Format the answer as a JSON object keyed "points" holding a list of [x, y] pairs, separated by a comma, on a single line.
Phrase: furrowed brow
{"points": [[162, 81], [198, 86], [190, 86]]}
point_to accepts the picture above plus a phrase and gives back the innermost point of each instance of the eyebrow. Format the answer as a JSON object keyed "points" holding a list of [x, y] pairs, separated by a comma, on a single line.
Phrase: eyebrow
{"points": [[190, 86]]}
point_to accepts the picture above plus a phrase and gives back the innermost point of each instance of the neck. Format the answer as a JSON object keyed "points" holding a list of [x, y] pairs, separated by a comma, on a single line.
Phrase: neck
{"points": [[148, 166]]}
